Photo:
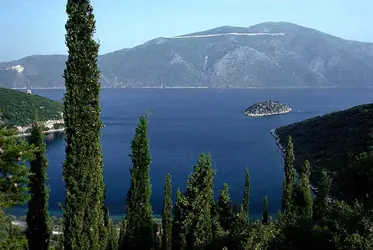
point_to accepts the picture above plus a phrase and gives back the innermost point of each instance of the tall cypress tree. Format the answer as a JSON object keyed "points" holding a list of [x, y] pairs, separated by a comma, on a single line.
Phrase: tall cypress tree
{"points": [[304, 193], [199, 203], [320, 204], [167, 216], [246, 198], [179, 230], [265, 218], [38, 222], [140, 233], [289, 178], [83, 166]]}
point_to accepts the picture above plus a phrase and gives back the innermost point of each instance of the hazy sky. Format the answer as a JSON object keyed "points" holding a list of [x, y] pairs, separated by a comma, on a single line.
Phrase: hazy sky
{"points": [[37, 26]]}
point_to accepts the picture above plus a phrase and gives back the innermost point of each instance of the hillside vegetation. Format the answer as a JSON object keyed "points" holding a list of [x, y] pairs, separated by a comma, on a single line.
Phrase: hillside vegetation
{"points": [[333, 142], [18, 108]]}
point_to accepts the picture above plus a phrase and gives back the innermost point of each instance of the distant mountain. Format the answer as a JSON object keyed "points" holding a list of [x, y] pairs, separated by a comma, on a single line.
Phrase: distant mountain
{"points": [[264, 55]]}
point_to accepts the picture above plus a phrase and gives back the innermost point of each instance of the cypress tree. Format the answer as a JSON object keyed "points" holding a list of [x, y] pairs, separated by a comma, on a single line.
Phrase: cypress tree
{"points": [[304, 193], [225, 210], [122, 234], [83, 167], [289, 178], [320, 204], [178, 225], [265, 219], [140, 233], [38, 222], [200, 200], [219, 235], [112, 243], [167, 216], [244, 213]]}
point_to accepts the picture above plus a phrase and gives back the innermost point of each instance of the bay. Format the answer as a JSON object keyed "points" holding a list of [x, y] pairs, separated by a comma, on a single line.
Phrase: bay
{"points": [[186, 122]]}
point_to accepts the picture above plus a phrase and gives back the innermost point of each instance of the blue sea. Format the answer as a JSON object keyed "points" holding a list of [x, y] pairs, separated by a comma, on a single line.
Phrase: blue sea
{"points": [[186, 122]]}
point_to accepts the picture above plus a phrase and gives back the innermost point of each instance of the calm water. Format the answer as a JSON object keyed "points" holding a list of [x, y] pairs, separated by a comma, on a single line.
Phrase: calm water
{"points": [[185, 123]]}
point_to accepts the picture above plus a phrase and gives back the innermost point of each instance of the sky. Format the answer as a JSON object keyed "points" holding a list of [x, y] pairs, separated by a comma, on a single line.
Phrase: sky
{"points": [[31, 27]]}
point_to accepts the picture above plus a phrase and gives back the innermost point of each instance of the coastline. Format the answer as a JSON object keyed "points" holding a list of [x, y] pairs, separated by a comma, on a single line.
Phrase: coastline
{"points": [[277, 113], [50, 131], [275, 135], [23, 225], [49, 125]]}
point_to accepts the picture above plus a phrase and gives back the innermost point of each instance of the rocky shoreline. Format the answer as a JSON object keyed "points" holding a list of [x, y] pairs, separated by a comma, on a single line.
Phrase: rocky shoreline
{"points": [[274, 134], [44, 132], [266, 114], [51, 126]]}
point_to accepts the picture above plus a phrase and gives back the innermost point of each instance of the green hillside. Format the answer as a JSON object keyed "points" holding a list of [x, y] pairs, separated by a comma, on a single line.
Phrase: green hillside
{"points": [[17, 108], [332, 141]]}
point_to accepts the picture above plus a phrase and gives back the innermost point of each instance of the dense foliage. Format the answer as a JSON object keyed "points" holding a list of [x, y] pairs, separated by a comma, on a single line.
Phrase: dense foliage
{"points": [[339, 142], [14, 153], [17, 108], [84, 208]]}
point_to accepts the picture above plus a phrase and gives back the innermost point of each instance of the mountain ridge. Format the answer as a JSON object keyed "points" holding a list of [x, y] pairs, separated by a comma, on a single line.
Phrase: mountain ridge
{"points": [[265, 55]]}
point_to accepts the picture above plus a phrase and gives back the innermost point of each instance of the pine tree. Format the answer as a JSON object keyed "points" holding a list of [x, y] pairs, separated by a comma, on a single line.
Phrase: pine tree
{"points": [[167, 216], [225, 210], [320, 204], [140, 233], [289, 179], [246, 198], [303, 201], [219, 235], [265, 219], [14, 153], [83, 166], [38, 222]]}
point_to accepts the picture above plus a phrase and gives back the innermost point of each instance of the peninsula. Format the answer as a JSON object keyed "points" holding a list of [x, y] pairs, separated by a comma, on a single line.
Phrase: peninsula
{"points": [[332, 142], [267, 108], [17, 110]]}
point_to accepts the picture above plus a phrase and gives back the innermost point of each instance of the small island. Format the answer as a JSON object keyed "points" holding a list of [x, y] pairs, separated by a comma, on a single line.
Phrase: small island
{"points": [[267, 108]]}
